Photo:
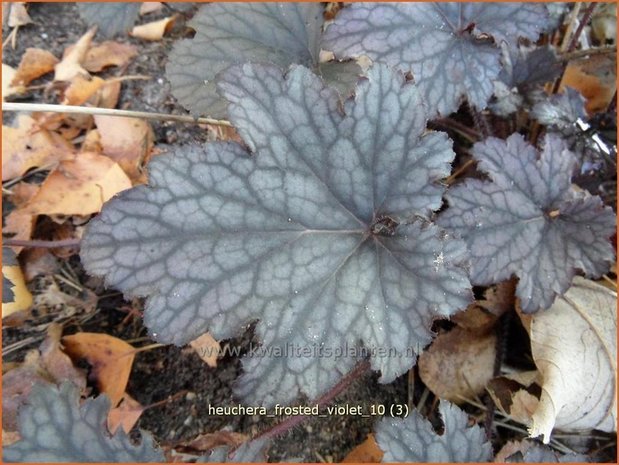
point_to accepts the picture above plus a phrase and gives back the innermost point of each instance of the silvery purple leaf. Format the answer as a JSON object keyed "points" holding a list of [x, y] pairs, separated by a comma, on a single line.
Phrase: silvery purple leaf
{"points": [[413, 438], [323, 235], [451, 48], [111, 18], [232, 33], [529, 221], [54, 427]]}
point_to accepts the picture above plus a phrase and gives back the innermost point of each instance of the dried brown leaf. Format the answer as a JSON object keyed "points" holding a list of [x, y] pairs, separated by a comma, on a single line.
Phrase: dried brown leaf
{"points": [[71, 64], [127, 141], [108, 53], [125, 416], [207, 348], [366, 452], [25, 146], [34, 63], [458, 364], [110, 358], [79, 186], [81, 89]]}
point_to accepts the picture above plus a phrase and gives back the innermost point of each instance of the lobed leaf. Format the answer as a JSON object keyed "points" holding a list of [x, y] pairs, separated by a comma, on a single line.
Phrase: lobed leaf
{"points": [[529, 220], [55, 428], [322, 235], [412, 439], [560, 110], [449, 47], [526, 67], [111, 18], [232, 33]]}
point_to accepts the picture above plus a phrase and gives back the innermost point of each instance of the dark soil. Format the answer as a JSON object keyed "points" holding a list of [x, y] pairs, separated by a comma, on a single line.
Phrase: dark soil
{"points": [[160, 373]]}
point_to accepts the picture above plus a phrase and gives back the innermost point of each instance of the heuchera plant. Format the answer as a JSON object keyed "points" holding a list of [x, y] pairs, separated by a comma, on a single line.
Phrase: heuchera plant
{"points": [[321, 227], [323, 235]]}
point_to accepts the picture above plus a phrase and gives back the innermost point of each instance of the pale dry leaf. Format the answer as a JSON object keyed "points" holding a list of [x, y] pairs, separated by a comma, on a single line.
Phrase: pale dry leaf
{"points": [[18, 15], [71, 63], [92, 142], [574, 346], [108, 53], [154, 30], [111, 360], [127, 141], [34, 63], [458, 364], [79, 186], [8, 74], [125, 416], [523, 406], [24, 147], [207, 347], [150, 7]]}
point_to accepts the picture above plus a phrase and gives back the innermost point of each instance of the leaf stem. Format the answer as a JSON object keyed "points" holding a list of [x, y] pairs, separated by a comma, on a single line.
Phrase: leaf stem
{"points": [[41, 244], [290, 422], [29, 107]]}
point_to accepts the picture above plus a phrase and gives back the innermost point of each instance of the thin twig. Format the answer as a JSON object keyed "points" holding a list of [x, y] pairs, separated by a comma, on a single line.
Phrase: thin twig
{"points": [[583, 22], [291, 422], [468, 133], [571, 45], [30, 107], [589, 52], [38, 244]]}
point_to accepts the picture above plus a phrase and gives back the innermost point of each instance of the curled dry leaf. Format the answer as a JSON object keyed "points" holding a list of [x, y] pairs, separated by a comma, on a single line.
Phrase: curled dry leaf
{"points": [[127, 141], [79, 186], [34, 63], [71, 64], [25, 146], [108, 53], [154, 30], [207, 348], [111, 360], [366, 452], [574, 346]]}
